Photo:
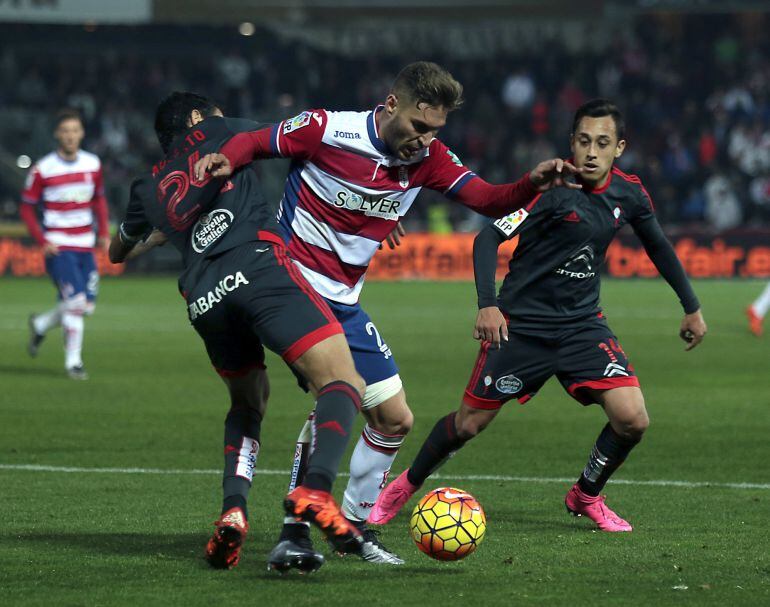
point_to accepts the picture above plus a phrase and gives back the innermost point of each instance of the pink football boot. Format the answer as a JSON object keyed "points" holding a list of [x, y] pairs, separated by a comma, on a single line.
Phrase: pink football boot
{"points": [[391, 500], [580, 504]]}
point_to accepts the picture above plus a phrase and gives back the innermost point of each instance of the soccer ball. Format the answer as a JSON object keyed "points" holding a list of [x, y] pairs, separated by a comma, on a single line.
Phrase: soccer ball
{"points": [[447, 524]]}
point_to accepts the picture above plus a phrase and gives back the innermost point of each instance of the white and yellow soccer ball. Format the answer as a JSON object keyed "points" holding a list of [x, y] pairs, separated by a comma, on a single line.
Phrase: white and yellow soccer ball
{"points": [[448, 524]]}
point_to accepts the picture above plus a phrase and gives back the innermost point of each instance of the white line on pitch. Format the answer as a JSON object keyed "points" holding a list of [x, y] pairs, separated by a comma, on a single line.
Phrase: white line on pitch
{"points": [[467, 477]]}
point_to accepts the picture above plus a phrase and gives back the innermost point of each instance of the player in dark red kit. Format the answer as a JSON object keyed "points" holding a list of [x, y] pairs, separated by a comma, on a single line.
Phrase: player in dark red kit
{"points": [[242, 292], [547, 321]]}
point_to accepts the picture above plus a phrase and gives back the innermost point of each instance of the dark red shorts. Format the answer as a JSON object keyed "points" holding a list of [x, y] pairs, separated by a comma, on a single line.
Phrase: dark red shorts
{"points": [[254, 296], [587, 356]]}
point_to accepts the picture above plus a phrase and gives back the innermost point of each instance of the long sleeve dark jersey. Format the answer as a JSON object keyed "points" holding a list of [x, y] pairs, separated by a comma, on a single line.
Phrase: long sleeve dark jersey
{"points": [[553, 276], [201, 219]]}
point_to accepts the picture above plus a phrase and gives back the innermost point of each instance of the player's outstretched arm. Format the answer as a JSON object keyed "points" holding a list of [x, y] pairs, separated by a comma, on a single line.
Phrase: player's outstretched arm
{"points": [[500, 200], [298, 138], [490, 324], [663, 256], [240, 150]]}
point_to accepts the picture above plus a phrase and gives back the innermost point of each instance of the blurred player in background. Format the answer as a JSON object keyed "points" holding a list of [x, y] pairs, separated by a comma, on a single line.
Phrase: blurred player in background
{"points": [[69, 185], [756, 312], [355, 175], [547, 320], [243, 293]]}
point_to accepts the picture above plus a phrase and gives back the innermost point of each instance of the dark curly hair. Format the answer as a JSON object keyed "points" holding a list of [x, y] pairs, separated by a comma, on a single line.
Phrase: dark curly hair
{"points": [[173, 114]]}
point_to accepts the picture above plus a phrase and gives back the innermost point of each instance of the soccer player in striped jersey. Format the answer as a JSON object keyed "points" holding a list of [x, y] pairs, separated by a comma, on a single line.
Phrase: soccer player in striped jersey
{"points": [[354, 176], [546, 320], [69, 186]]}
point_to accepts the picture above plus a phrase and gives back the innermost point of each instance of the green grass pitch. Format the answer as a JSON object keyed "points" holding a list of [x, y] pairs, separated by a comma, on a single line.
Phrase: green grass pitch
{"points": [[112, 537]]}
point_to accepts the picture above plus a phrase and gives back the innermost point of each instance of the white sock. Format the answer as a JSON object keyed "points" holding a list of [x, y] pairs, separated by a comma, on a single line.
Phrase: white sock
{"points": [[46, 321], [301, 455], [72, 324], [369, 468], [762, 303]]}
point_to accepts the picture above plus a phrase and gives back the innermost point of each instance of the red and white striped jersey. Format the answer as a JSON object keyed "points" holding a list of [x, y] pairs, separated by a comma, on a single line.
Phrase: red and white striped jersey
{"points": [[346, 192], [71, 193]]}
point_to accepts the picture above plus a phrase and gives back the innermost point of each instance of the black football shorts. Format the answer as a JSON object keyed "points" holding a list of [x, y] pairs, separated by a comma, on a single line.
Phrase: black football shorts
{"points": [[584, 357], [254, 296]]}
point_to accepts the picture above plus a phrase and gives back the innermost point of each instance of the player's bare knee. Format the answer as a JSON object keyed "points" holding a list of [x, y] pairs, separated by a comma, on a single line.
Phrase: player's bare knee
{"points": [[632, 427], [385, 407], [393, 426], [401, 425], [639, 425], [406, 423], [639, 421]]}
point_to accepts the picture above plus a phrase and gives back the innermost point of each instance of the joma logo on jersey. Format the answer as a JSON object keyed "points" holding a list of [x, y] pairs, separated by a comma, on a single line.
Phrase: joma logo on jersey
{"points": [[385, 208], [346, 135], [227, 285], [209, 228]]}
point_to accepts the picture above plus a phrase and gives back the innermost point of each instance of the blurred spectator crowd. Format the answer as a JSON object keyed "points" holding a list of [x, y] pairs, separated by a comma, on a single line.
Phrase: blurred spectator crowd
{"points": [[695, 92]]}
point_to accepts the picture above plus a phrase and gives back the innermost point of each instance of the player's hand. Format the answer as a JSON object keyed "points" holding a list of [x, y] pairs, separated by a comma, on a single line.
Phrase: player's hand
{"points": [[394, 238], [554, 173], [50, 249], [104, 243], [491, 326], [693, 329], [155, 239], [218, 165]]}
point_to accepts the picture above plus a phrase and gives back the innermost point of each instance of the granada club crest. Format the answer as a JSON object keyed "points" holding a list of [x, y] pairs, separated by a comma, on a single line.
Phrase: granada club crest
{"points": [[403, 177]]}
